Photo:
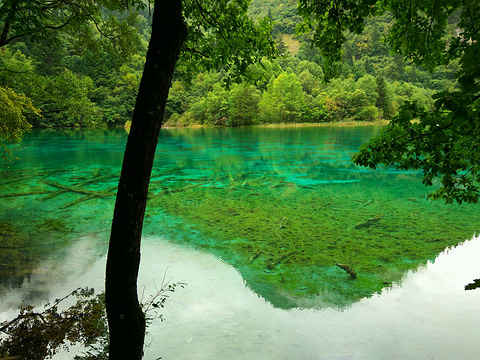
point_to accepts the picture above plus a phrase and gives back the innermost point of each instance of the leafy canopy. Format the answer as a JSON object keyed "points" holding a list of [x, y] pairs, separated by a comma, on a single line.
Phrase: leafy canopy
{"points": [[221, 35], [86, 20], [442, 143], [13, 123]]}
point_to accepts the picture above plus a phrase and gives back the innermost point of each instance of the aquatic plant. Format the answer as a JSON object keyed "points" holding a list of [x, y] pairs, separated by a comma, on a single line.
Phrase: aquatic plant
{"points": [[286, 238], [282, 214]]}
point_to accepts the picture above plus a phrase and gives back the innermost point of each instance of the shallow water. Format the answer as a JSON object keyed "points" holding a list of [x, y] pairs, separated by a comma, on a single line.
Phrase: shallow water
{"points": [[277, 208]]}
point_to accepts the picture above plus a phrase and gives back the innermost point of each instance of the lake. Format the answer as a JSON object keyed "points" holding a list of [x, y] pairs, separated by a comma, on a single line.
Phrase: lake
{"points": [[254, 220]]}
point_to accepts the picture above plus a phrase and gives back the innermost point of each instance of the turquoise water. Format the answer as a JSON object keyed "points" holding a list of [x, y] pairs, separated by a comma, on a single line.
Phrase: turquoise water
{"points": [[253, 220], [281, 205]]}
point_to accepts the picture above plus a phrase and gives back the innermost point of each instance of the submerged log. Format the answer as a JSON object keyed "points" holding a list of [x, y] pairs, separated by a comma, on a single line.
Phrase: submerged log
{"points": [[78, 190], [38, 192], [369, 222], [348, 269]]}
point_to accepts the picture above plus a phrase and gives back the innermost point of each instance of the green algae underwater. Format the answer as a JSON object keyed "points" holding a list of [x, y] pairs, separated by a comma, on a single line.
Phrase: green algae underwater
{"points": [[284, 206]]}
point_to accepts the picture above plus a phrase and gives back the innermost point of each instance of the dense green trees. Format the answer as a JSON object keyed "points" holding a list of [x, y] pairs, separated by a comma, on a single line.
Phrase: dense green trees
{"points": [[103, 76], [361, 55], [283, 100], [62, 55], [342, 99], [34, 83], [45, 51]]}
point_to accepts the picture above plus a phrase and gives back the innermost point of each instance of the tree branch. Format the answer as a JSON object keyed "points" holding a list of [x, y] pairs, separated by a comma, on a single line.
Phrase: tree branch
{"points": [[195, 51], [430, 25], [14, 71], [6, 27], [215, 23], [90, 16], [474, 30], [21, 316]]}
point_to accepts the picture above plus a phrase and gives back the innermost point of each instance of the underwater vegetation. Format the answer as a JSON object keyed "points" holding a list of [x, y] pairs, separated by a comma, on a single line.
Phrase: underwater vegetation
{"points": [[315, 245], [303, 226]]}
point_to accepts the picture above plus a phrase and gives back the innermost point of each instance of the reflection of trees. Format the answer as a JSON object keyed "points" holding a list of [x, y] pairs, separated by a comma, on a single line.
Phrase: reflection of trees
{"points": [[285, 237], [24, 245], [53, 149], [281, 150], [41, 217]]}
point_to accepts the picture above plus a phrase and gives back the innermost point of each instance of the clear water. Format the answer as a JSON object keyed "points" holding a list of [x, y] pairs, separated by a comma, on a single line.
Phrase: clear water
{"points": [[277, 208]]}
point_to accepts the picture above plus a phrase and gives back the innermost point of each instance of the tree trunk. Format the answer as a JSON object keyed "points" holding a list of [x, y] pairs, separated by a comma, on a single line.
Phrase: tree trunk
{"points": [[125, 317]]}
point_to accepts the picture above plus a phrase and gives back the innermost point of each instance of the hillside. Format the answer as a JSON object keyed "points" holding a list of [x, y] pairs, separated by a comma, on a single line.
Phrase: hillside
{"points": [[75, 85]]}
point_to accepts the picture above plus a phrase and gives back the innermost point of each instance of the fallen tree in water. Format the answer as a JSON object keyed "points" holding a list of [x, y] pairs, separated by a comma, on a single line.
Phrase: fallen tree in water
{"points": [[348, 269]]}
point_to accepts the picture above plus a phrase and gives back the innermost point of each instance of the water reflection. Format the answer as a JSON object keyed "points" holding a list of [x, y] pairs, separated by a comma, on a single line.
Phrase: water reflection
{"points": [[429, 317], [216, 317]]}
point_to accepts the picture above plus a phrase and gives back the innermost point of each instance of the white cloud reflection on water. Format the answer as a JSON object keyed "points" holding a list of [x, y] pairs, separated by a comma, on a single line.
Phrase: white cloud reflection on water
{"points": [[430, 316]]}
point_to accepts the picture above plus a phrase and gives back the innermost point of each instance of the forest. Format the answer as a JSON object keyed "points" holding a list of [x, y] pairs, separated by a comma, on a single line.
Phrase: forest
{"points": [[72, 81]]}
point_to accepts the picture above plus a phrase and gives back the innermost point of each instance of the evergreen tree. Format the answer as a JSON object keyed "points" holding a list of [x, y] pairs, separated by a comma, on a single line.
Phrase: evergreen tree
{"points": [[412, 77], [384, 101], [243, 105], [368, 66]]}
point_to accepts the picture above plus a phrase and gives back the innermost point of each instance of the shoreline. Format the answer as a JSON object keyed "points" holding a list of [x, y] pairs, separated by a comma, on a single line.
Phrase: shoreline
{"points": [[284, 125], [127, 125]]}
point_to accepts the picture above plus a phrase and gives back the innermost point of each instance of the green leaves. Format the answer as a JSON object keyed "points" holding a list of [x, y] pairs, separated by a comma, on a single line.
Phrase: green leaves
{"points": [[13, 123], [85, 20], [222, 36], [439, 144], [283, 101], [328, 20]]}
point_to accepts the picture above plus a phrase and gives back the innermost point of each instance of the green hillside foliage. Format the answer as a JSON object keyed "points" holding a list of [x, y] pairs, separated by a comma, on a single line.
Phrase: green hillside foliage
{"points": [[76, 84]]}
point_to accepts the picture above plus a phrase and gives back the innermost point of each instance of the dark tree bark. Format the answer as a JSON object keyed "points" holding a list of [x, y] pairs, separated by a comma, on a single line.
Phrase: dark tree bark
{"points": [[125, 317]]}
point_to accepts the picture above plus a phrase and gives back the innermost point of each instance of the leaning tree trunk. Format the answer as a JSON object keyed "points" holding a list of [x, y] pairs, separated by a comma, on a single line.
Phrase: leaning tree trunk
{"points": [[125, 317]]}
